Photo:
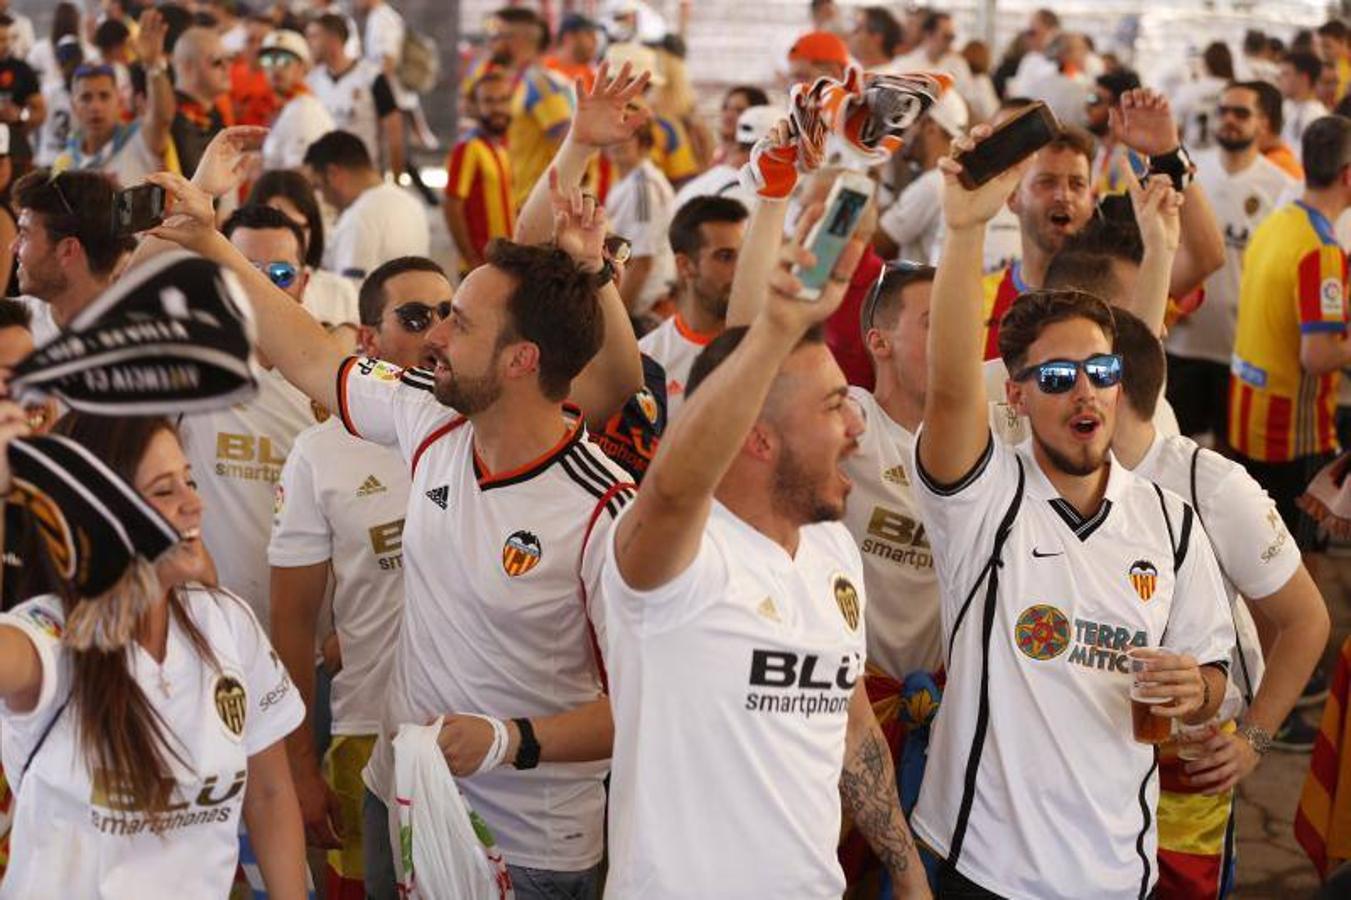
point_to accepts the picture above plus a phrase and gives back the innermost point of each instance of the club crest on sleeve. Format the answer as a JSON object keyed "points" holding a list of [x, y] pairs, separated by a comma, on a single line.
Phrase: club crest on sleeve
{"points": [[1144, 578], [521, 553], [846, 597], [231, 704]]}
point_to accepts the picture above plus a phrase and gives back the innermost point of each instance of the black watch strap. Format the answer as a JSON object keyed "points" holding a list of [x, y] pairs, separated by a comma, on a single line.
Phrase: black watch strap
{"points": [[1177, 165], [527, 753], [605, 275]]}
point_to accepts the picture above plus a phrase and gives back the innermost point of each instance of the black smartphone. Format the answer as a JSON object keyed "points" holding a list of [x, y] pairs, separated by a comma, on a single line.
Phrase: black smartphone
{"points": [[1011, 143], [138, 209]]}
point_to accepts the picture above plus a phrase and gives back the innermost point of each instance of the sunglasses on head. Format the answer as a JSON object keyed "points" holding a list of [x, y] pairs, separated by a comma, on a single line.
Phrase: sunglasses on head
{"points": [[417, 316], [904, 271], [282, 274], [93, 70], [1057, 376]]}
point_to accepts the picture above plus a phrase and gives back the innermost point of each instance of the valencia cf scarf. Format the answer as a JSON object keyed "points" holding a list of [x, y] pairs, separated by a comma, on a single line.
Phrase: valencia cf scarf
{"points": [[172, 336]]}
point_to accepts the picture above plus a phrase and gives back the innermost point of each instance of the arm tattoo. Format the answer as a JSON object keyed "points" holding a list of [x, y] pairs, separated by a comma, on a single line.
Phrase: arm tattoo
{"points": [[868, 790]]}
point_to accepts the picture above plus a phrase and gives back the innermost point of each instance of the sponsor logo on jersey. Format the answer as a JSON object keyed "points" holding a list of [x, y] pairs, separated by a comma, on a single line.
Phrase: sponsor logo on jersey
{"points": [[371, 486], [1103, 645], [47, 623], [1042, 632], [249, 457], [387, 544], [897, 537], [1144, 578], [846, 597], [802, 684], [521, 553], [895, 475], [211, 804], [1282, 534], [231, 704], [440, 496]]}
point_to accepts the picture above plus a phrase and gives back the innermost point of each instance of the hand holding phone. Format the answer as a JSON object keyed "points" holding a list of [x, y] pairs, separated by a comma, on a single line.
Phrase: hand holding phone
{"points": [[969, 207], [1012, 142], [137, 209]]}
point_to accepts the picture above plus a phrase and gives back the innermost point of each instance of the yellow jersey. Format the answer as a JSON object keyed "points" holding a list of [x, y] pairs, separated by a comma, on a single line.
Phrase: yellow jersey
{"points": [[540, 112]]}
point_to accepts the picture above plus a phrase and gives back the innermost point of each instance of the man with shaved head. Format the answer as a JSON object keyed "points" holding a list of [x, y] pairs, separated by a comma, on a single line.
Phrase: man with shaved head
{"points": [[202, 79]]}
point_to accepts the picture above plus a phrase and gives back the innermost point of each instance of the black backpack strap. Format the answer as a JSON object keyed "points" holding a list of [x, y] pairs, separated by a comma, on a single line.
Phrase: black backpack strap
{"points": [[990, 575], [42, 738]]}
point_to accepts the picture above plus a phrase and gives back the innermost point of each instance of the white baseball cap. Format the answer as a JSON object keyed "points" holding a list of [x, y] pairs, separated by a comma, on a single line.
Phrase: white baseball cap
{"points": [[284, 40], [949, 113], [755, 122], [641, 57]]}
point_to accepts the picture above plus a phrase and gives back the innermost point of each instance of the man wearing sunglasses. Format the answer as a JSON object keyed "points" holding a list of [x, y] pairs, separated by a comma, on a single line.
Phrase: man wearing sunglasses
{"points": [[202, 94], [1244, 188], [303, 119], [101, 141], [1035, 547]]}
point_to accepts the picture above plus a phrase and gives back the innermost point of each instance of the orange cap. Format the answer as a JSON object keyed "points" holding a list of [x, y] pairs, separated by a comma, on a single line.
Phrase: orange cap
{"points": [[820, 47]]}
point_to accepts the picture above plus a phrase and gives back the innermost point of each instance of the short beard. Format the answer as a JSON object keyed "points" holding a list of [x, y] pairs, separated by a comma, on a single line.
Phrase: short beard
{"points": [[1235, 146], [468, 396], [1101, 129], [33, 284], [1063, 463], [713, 304], [797, 497]]}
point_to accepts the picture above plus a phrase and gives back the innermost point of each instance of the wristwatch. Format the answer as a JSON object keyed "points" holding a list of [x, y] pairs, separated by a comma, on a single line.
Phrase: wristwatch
{"points": [[527, 754], [1258, 737], [159, 68], [605, 275], [1177, 165]]}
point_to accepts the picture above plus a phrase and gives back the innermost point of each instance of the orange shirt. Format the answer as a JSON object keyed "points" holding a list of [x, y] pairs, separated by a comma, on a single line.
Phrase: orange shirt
{"points": [[1284, 157], [251, 95], [572, 71]]}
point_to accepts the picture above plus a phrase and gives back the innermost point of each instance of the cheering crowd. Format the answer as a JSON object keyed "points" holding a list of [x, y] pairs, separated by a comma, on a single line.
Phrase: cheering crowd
{"points": [[695, 534]]}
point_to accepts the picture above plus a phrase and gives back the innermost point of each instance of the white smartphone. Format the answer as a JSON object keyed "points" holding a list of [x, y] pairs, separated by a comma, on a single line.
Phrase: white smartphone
{"points": [[849, 197]]}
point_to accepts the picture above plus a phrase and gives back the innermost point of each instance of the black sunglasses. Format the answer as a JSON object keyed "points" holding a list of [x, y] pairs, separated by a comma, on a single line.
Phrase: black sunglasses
{"points": [[416, 317], [1057, 376], [894, 276]]}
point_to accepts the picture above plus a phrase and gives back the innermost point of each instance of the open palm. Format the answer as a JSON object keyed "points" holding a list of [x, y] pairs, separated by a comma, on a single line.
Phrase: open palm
{"points": [[579, 224], [606, 115]]}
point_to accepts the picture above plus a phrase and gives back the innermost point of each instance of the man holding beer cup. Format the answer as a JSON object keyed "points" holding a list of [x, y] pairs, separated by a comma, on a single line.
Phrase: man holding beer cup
{"points": [[1068, 585]]}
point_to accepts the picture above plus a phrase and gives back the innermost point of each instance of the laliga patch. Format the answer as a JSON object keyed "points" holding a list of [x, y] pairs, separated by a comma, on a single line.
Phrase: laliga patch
{"points": [[231, 704], [1144, 578], [1330, 297], [846, 598], [1042, 632], [47, 623], [379, 369], [521, 553]]}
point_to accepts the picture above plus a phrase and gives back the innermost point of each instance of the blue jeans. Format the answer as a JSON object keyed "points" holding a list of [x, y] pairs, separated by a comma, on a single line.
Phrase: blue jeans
{"points": [[529, 884]]}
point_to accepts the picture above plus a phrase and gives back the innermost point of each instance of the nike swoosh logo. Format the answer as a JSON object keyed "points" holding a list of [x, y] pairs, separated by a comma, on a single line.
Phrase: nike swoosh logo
{"points": [[1039, 555]]}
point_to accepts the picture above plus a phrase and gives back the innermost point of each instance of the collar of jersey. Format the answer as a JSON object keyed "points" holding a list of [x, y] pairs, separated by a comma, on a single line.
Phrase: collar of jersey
{"points": [[694, 337], [487, 479], [1040, 487], [1016, 276], [1319, 222]]}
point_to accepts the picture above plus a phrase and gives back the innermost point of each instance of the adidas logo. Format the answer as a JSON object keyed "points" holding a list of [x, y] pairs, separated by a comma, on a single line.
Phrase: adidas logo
{"points": [[370, 486], [895, 475], [440, 496], [768, 610]]}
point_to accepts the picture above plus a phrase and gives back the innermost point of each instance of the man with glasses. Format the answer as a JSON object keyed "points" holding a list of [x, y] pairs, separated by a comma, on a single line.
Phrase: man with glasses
{"points": [[1035, 549], [340, 506], [1244, 187], [303, 119], [202, 94], [102, 141]]}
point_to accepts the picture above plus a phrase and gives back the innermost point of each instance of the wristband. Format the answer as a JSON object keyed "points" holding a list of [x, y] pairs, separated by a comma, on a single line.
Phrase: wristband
{"points": [[1259, 738], [497, 751], [159, 68], [527, 754], [1177, 165]]}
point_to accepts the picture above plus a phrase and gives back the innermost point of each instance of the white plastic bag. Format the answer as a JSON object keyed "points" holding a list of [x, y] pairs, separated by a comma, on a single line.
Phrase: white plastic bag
{"points": [[446, 852]]}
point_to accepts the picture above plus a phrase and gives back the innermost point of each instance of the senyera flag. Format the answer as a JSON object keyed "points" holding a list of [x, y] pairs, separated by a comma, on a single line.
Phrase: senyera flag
{"points": [[174, 335]]}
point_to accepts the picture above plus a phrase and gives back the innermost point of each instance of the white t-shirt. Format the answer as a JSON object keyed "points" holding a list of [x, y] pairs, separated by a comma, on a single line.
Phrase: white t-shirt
{"points": [[915, 221], [331, 299], [1241, 201], [1299, 115], [1063, 800], [640, 207], [342, 500], [237, 455], [72, 837], [721, 180], [56, 128], [898, 568], [301, 122], [383, 37], [384, 223], [351, 99], [498, 573], [1195, 108], [730, 687], [675, 345]]}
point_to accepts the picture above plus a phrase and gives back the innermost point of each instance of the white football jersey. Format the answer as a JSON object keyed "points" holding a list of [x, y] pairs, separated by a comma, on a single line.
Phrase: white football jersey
{"points": [[898, 568], [350, 98], [237, 455], [75, 833], [1241, 202], [342, 500], [498, 572], [640, 206], [730, 687], [1034, 780], [302, 121], [675, 345], [383, 223]]}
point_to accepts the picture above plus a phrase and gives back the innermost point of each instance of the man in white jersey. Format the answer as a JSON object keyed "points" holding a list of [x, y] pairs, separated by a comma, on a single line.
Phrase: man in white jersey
{"points": [[734, 607], [1244, 187], [238, 453], [101, 141], [340, 508], [507, 507], [1260, 562], [640, 207], [303, 118], [354, 91], [1053, 561], [378, 221], [705, 236]]}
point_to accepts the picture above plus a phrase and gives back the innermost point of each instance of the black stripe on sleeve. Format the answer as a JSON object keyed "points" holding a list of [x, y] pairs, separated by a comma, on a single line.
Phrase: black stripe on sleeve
{"points": [[961, 484]]}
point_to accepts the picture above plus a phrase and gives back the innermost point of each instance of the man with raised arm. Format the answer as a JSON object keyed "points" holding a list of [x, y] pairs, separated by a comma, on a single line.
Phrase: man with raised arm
{"points": [[734, 604], [1053, 561]]}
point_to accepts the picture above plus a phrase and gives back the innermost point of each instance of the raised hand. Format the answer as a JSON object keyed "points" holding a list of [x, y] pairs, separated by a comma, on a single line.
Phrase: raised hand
{"points": [[1143, 121], [607, 115], [967, 209], [579, 225], [191, 219], [1157, 211], [150, 37], [229, 158], [772, 169], [784, 308]]}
